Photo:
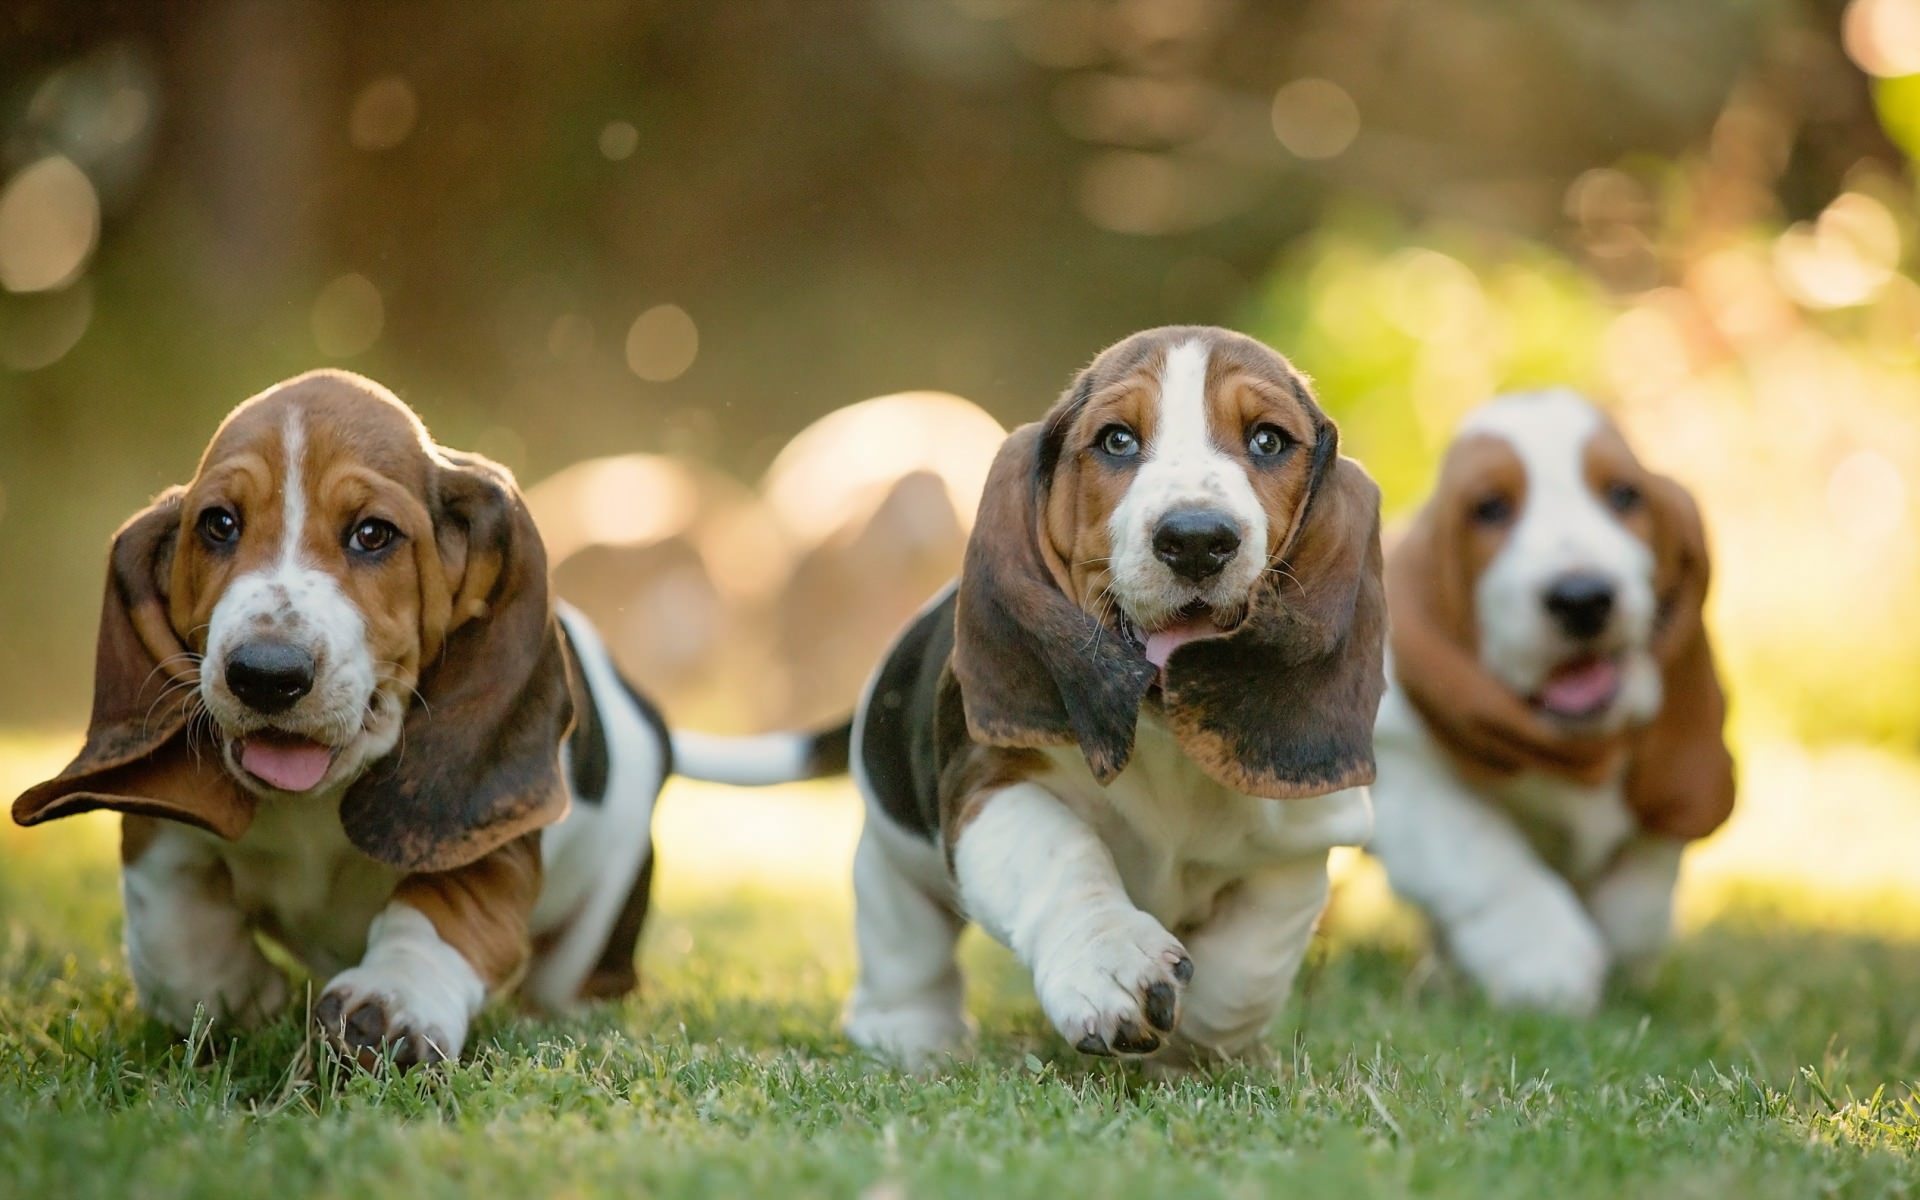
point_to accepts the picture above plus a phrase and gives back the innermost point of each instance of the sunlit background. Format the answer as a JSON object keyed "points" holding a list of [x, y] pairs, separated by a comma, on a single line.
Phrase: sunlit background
{"points": [[747, 293]]}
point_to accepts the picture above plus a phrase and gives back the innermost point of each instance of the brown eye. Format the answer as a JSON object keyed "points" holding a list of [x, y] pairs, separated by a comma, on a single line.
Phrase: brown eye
{"points": [[219, 527], [1624, 498], [1267, 441], [1118, 441], [1492, 511], [372, 535]]}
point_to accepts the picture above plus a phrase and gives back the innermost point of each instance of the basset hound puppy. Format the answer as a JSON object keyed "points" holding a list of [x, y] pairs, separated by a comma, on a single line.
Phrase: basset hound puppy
{"points": [[1124, 742], [1553, 733], [337, 706]]}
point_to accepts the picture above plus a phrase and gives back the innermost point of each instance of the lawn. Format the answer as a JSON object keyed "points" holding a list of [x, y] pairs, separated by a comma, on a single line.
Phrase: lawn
{"points": [[1775, 1056]]}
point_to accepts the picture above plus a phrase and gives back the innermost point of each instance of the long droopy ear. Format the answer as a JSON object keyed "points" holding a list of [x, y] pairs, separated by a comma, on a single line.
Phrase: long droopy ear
{"points": [[1284, 707], [1035, 669], [1680, 782], [137, 758], [478, 762]]}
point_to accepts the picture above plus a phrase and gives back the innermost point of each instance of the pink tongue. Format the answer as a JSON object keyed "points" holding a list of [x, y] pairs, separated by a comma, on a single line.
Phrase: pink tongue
{"points": [[292, 765], [1582, 688], [1162, 644]]}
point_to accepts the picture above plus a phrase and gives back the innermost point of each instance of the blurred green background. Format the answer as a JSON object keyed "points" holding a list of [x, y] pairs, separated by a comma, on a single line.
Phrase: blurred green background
{"points": [[690, 229]]}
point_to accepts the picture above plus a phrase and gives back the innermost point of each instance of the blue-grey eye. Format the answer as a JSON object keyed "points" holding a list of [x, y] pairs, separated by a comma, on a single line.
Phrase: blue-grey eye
{"points": [[1267, 441], [1624, 498], [1119, 441]]}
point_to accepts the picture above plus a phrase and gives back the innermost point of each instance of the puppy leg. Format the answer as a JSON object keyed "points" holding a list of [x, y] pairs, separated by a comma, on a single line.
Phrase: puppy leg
{"points": [[1632, 902], [188, 946], [1039, 879], [443, 944], [1246, 955], [909, 1002], [1508, 919]]}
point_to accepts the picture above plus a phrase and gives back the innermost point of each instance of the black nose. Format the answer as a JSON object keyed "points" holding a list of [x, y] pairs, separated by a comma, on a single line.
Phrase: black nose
{"points": [[1196, 542], [269, 677], [1581, 602]]}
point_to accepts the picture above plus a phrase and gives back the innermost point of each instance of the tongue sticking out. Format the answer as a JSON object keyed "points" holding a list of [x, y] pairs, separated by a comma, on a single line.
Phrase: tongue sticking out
{"points": [[1163, 642], [291, 764], [1581, 689]]}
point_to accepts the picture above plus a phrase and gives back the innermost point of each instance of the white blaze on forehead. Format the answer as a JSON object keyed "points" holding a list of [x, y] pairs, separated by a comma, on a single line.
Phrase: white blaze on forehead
{"points": [[293, 491], [1562, 527], [1182, 465]]}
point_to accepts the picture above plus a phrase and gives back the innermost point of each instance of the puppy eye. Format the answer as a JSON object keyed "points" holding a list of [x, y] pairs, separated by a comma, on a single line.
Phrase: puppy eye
{"points": [[1119, 441], [1267, 441], [219, 527], [1624, 498], [1492, 511], [372, 536]]}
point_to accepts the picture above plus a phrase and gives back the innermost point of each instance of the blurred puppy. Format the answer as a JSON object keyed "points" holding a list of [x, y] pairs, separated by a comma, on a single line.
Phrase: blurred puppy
{"points": [[1552, 735], [1125, 740], [334, 701]]}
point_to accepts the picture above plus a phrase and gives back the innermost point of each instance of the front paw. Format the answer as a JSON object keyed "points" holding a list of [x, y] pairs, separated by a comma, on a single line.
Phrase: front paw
{"points": [[1116, 991], [1530, 953], [368, 1023]]}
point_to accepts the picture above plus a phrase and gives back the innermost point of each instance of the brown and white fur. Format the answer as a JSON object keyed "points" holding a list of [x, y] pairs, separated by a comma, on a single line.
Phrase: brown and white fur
{"points": [[1552, 735], [1125, 740], [337, 706]]}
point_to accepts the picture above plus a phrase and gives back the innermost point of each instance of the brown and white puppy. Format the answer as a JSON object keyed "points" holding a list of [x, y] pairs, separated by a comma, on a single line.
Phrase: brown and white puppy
{"points": [[1552, 737], [333, 698], [1125, 740]]}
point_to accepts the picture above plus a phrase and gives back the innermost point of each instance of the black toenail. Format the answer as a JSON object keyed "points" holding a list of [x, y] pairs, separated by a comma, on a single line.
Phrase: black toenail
{"points": [[1091, 1044], [1131, 1039], [1162, 1006]]}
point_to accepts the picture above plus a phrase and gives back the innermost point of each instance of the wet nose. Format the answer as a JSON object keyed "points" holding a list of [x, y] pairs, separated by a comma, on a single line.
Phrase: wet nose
{"points": [[1580, 603], [269, 677], [1196, 542]]}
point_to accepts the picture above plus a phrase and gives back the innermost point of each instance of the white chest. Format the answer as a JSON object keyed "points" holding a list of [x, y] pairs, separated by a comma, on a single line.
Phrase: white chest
{"points": [[1180, 840], [297, 878]]}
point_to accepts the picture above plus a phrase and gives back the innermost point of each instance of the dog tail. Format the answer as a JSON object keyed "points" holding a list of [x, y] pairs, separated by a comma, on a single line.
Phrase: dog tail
{"points": [[762, 760]]}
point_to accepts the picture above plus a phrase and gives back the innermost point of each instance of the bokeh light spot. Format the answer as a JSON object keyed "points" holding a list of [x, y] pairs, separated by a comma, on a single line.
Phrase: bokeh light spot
{"points": [[348, 315], [383, 114], [1315, 118], [1867, 496], [38, 331], [662, 343], [1883, 36], [49, 224], [618, 140], [1844, 257]]}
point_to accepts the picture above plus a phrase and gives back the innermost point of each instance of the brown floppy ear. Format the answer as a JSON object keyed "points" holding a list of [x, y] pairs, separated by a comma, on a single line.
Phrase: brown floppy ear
{"points": [[1284, 707], [478, 763], [136, 758], [1036, 669], [1681, 780]]}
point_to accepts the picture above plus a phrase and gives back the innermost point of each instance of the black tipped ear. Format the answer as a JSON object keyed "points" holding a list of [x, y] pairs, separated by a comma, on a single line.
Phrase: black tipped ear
{"points": [[136, 758], [1035, 669], [1285, 707], [478, 762]]}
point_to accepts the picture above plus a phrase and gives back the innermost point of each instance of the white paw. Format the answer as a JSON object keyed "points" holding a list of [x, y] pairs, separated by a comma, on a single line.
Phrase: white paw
{"points": [[1527, 953], [367, 1015], [1116, 990], [913, 1037], [246, 990]]}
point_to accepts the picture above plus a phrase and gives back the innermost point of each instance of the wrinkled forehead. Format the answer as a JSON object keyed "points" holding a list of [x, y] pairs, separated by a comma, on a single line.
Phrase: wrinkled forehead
{"points": [[321, 422], [1215, 362], [1549, 440]]}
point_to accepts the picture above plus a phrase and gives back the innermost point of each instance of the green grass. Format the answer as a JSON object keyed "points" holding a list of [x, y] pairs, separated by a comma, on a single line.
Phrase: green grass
{"points": [[1773, 1057]]}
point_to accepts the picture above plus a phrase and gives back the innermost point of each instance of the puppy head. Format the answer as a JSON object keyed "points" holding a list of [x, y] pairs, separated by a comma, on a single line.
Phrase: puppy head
{"points": [[1181, 517], [1547, 602], [334, 605]]}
